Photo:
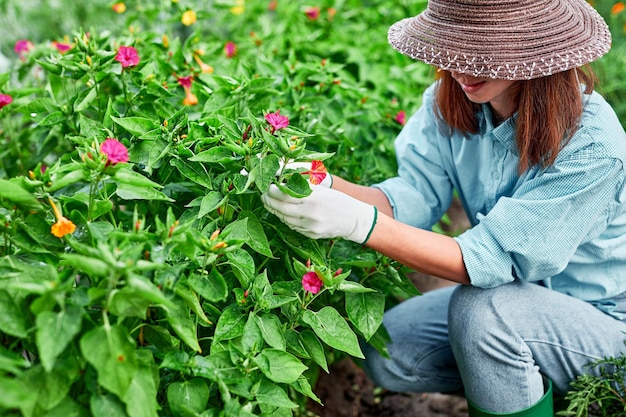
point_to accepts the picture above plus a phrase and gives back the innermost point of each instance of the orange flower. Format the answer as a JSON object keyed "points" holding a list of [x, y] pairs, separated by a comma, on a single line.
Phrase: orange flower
{"points": [[317, 173], [204, 67], [617, 8], [63, 226], [190, 98]]}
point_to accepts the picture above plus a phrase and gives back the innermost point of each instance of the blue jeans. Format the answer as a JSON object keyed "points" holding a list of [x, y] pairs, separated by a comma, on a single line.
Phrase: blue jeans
{"points": [[493, 344]]}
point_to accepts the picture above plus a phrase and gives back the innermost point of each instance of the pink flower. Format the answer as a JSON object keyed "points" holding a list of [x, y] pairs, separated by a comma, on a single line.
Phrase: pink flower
{"points": [[277, 121], [317, 173], [5, 100], [62, 47], [400, 117], [230, 49], [311, 282], [185, 82], [127, 56], [22, 47], [312, 13], [114, 150]]}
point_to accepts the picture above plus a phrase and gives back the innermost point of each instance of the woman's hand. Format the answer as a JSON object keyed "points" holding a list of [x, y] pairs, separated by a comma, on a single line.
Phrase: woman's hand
{"points": [[325, 213]]}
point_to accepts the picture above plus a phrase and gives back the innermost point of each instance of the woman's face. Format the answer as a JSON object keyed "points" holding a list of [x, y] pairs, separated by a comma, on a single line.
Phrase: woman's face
{"points": [[498, 93]]}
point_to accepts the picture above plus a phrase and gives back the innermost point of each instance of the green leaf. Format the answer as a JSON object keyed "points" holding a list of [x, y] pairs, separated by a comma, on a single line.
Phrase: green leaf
{"points": [[188, 398], [211, 201], [265, 172], [130, 177], [252, 339], [86, 101], [134, 192], [185, 327], [314, 348], [12, 320], [296, 186], [110, 351], [138, 126], [12, 192], [279, 366], [93, 267], [272, 330], [257, 239], [303, 386], [194, 172], [53, 119], [333, 329], [15, 394], [49, 388], [55, 331], [212, 287], [106, 405], [230, 324], [141, 397], [268, 393], [192, 301], [128, 302], [242, 265], [216, 155], [365, 311]]}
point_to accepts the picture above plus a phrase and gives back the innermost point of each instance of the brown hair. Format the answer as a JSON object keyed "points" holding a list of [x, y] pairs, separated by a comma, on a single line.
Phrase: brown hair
{"points": [[549, 109]]}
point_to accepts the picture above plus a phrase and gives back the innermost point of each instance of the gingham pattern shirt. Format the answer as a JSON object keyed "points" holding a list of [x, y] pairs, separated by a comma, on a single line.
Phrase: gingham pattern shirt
{"points": [[563, 227]]}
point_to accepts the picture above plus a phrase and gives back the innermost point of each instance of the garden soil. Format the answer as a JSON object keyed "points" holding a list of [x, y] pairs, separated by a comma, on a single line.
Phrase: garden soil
{"points": [[347, 391]]}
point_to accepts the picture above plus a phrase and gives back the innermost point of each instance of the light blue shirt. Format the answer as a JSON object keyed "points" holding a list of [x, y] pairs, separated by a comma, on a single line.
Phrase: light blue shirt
{"points": [[563, 227]]}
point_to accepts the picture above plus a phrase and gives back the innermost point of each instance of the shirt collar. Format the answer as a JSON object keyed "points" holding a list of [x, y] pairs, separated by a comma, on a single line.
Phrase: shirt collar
{"points": [[504, 132]]}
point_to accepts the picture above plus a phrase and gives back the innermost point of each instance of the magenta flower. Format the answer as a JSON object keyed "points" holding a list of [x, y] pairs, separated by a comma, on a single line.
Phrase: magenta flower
{"points": [[312, 13], [127, 56], [277, 121], [185, 82], [62, 47], [230, 49], [22, 46], [311, 282], [5, 100], [400, 117], [114, 150]]}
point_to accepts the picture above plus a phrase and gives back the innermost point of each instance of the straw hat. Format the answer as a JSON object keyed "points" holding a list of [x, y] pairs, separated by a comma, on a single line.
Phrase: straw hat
{"points": [[504, 39]]}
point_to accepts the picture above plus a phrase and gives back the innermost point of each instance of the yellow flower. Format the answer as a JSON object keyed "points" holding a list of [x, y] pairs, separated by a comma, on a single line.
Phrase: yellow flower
{"points": [[166, 41], [63, 226], [189, 18], [239, 7], [119, 7]]}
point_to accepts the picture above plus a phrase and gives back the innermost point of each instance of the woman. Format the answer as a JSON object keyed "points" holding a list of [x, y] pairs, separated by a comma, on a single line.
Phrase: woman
{"points": [[537, 159]]}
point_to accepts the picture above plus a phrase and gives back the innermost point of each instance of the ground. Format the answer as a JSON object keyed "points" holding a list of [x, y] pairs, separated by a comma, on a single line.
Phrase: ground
{"points": [[347, 391]]}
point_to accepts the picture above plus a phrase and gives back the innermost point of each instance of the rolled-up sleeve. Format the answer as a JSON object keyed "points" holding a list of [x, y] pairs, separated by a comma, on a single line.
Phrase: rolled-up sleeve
{"points": [[422, 191], [533, 234]]}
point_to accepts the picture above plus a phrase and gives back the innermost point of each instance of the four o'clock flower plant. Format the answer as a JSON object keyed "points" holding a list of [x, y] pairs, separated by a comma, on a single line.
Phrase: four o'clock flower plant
{"points": [[143, 250]]}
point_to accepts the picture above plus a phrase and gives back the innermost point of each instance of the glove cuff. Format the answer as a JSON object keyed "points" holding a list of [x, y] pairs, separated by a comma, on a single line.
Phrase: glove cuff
{"points": [[365, 225], [327, 181]]}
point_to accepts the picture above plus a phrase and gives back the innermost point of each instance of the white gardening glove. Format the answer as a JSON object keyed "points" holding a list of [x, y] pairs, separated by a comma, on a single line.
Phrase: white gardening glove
{"points": [[306, 168], [324, 214]]}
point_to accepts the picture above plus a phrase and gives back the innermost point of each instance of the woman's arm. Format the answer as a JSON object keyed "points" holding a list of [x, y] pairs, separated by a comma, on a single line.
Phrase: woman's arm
{"points": [[421, 250], [369, 195]]}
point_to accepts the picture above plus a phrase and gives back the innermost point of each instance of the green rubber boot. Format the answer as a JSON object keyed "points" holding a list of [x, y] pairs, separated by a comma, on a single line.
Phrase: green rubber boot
{"points": [[543, 408]]}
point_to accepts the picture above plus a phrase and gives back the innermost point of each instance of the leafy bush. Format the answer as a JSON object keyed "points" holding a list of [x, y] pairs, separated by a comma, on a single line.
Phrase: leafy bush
{"points": [[141, 274]]}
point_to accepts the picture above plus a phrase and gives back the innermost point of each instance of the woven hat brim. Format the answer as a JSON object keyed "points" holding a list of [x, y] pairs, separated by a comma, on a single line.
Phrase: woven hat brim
{"points": [[506, 49]]}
